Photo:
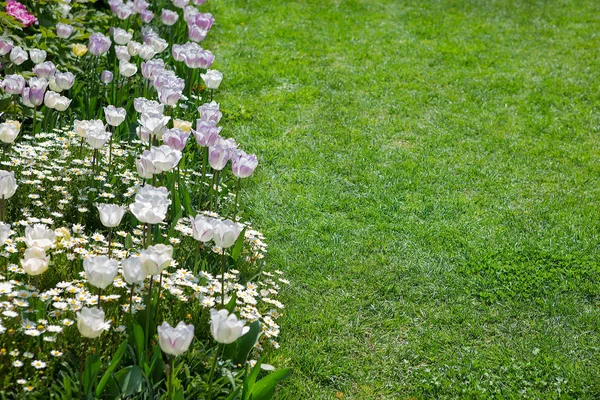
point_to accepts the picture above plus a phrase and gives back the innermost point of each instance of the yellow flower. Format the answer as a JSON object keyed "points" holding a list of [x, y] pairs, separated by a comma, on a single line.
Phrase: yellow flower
{"points": [[80, 49], [183, 125]]}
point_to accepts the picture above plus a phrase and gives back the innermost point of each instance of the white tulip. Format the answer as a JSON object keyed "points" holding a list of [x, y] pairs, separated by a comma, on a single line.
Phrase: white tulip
{"points": [[175, 341], [212, 78], [133, 273], [151, 204], [202, 228], [35, 261], [9, 131], [121, 36], [225, 327], [90, 322], [114, 116], [8, 184], [39, 235], [225, 233], [100, 271], [127, 69], [37, 56], [156, 258], [5, 233], [111, 214]]}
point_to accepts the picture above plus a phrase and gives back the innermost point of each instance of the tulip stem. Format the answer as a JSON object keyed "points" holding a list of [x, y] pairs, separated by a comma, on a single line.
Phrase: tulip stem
{"points": [[158, 300], [148, 306], [212, 371], [109, 241], [131, 300], [171, 393], [2, 205], [34, 120], [99, 292], [223, 277]]}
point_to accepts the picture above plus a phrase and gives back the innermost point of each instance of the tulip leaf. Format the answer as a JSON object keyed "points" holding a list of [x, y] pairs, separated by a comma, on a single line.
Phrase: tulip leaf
{"points": [[127, 382], [92, 368], [187, 200], [128, 241], [263, 389], [138, 334], [250, 379], [247, 342], [239, 244], [113, 365], [234, 394]]}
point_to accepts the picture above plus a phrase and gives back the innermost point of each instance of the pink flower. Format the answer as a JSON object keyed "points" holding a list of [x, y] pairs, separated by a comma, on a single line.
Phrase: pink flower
{"points": [[19, 12]]}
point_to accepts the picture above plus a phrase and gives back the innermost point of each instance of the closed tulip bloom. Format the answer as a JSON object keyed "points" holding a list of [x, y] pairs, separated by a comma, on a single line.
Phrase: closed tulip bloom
{"points": [[133, 48], [144, 170], [218, 157], [37, 90], [5, 233], [147, 52], [97, 137], [39, 235], [212, 78], [9, 131], [196, 33], [175, 341], [114, 116], [13, 84], [100, 270], [63, 31], [18, 56], [202, 228], [180, 124], [64, 80], [181, 3], [111, 214], [206, 133], [81, 127], [158, 44], [91, 323], [106, 77], [122, 53], [133, 273], [151, 204], [226, 328], [209, 112], [52, 85], [147, 16], [169, 95], [80, 49], [225, 233], [169, 17], [149, 107], [156, 258], [229, 143], [152, 67], [8, 184], [242, 164], [127, 69], [175, 138], [37, 56], [98, 44], [45, 70], [5, 47], [121, 36], [35, 261], [56, 101], [205, 20]]}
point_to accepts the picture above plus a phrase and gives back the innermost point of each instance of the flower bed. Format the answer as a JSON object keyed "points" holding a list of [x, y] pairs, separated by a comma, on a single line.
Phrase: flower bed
{"points": [[127, 270]]}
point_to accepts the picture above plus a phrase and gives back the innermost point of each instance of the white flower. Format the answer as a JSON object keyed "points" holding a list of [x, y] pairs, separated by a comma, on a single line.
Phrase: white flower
{"points": [[126, 68], [5, 233], [8, 184], [114, 116], [90, 322], [35, 261], [156, 258], [175, 341], [37, 56], [37, 364], [111, 214], [39, 235], [121, 36], [9, 131], [225, 233], [212, 78], [151, 204], [100, 271], [202, 228], [160, 159], [225, 328], [97, 136], [133, 273], [18, 56], [56, 101]]}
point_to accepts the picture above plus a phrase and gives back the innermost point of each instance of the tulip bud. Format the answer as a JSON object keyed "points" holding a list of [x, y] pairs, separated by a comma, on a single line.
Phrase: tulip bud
{"points": [[80, 49], [169, 17], [114, 116], [8, 184], [100, 270], [212, 78], [90, 322], [106, 77], [225, 328], [133, 273], [127, 69], [156, 258], [202, 228], [63, 31], [225, 233], [35, 261], [175, 341], [37, 56], [111, 214]]}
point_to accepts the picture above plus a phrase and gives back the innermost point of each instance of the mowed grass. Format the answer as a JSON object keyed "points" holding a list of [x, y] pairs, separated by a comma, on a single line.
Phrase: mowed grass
{"points": [[429, 182]]}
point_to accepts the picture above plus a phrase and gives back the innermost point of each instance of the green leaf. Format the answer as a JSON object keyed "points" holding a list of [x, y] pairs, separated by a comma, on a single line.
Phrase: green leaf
{"points": [[128, 241], [247, 342], [250, 379], [239, 244], [264, 388], [129, 381], [187, 200], [234, 394], [138, 335], [113, 365], [92, 368]]}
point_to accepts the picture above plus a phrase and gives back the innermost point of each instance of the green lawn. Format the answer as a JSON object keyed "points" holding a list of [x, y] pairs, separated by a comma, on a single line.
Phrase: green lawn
{"points": [[429, 182]]}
